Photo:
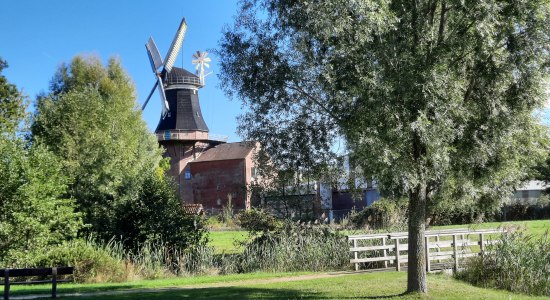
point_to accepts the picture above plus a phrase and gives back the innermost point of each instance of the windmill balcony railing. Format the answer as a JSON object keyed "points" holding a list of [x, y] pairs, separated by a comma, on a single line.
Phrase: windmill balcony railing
{"points": [[176, 79]]}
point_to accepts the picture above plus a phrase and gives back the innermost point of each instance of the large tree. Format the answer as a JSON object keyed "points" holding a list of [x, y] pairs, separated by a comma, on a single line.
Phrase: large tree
{"points": [[90, 118], [430, 95], [12, 103], [35, 211]]}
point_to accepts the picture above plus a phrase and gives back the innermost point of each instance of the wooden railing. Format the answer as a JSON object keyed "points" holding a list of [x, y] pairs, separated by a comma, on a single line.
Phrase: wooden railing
{"points": [[444, 248]]}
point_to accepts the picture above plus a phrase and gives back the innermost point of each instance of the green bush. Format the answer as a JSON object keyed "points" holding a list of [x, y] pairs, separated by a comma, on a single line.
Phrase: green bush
{"points": [[385, 214], [292, 248], [257, 220], [156, 216], [92, 261], [518, 263]]}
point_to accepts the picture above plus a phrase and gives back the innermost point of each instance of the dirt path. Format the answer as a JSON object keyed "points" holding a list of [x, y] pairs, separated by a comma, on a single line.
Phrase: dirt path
{"points": [[196, 286]]}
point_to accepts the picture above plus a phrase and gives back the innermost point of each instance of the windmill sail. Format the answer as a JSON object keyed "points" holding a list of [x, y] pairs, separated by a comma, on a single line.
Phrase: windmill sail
{"points": [[154, 55], [163, 101], [175, 47]]}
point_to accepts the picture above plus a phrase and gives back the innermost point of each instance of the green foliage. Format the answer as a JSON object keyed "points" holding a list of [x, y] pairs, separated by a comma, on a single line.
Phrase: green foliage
{"points": [[91, 120], [12, 104], [527, 210], [292, 248], [518, 263], [423, 92], [93, 262], [257, 221], [35, 212], [157, 215], [385, 214]]}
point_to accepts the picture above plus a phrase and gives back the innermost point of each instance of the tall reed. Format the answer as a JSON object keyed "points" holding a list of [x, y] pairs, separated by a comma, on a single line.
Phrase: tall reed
{"points": [[518, 263], [293, 248]]}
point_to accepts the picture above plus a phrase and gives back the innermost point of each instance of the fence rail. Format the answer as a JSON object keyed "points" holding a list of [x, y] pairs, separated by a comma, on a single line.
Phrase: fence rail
{"points": [[444, 248]]}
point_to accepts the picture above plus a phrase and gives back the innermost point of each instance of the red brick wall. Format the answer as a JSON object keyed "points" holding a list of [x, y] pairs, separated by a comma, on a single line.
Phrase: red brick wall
{"points": [[213, 181], [180, 154]]}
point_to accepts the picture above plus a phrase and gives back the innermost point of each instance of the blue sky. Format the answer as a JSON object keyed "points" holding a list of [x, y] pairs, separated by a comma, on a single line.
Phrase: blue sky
{"points": [[37, 36]]}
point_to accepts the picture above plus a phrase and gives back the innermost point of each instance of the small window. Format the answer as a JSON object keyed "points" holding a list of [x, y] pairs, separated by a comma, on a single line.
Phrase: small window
{"points": [[187, 174]]}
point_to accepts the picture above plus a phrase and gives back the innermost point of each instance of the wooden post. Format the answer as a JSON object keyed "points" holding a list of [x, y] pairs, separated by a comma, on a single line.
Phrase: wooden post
{"points": [[438, 249], [54, 282], [427, 254], [385, 252], [397, 261], [6, 284], [355, 254], [455, 251], [481, 245]]}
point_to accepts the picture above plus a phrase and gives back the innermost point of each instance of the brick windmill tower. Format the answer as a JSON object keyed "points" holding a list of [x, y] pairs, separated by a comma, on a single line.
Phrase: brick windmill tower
{"points": [[181, 130]]}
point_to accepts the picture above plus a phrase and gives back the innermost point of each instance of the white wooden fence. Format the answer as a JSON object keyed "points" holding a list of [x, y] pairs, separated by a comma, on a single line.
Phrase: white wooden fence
{"points": [[444, 248]]}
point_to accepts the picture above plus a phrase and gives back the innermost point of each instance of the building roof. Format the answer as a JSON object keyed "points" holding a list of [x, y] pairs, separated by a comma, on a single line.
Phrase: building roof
{"points": [[238, 150], [533, 185]]}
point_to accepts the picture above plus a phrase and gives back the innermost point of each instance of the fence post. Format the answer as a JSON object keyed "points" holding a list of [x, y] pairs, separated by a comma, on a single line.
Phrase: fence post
{"points": [[385, 252], [437, 249], [6, 284], [355, 254], [54, 282], [455, 252], [397, 260], [427, 253], [481, 246]]}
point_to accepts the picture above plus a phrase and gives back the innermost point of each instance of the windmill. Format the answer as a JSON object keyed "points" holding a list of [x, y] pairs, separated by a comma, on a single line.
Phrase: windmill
{"points": [[156, 64], [201, 61], [181, 130]]}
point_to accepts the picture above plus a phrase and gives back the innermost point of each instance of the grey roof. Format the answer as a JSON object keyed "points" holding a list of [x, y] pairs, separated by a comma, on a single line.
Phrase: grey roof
{"points": [[238, 150]]}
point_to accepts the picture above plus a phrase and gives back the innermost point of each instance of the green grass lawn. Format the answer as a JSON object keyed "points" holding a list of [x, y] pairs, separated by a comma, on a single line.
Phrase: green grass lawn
{"points": [[386, 285], [223, 241], [536, 227], [145, 284]]}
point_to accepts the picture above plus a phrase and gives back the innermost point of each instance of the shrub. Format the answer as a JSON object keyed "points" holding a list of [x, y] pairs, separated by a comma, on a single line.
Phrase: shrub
{"points": [[257, 220], [387, 214], [93, 262], [110, 262], [293, 247], [156, 216], [518, 263]]}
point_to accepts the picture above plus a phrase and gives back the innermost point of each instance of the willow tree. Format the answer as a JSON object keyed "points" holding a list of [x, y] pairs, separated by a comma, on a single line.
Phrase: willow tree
{"points": [[427, 94]]}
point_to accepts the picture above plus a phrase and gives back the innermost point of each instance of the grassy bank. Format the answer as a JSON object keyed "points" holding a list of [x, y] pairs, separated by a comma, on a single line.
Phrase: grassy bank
{"points": [[387, 285]]}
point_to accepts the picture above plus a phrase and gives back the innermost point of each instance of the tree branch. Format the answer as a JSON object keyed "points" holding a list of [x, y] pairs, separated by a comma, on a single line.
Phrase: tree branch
{"points": [[441, 23], [298, 89]]}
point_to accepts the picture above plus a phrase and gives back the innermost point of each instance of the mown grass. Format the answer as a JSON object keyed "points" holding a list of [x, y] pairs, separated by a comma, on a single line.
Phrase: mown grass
{"points": [[387, 285], [223, 241], [146, 284], [536, 227]]}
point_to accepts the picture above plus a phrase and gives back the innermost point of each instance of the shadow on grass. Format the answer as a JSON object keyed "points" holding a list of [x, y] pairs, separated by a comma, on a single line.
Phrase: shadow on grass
{"points": [[47, 289], [210, 293], [386, 297], [224, 293]]}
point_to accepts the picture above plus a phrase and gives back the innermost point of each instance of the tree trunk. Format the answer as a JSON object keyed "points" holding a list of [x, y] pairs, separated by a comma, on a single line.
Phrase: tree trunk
{"points": [[416, 275]]}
